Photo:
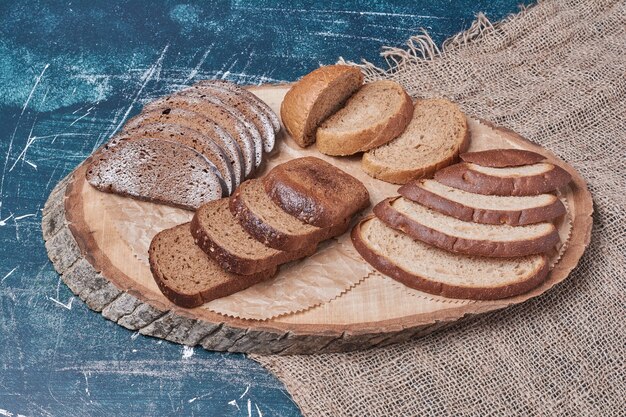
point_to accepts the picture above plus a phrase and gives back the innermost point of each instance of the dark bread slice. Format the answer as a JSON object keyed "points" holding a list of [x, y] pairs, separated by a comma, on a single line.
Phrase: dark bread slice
{"points": [[502, 158], [527, 180], [220, 115], [198, 122], [454, 235], [315, 191], [187, 276], [269, 224], [154, 170], [435, 271], [219, 234], [487, 209]]}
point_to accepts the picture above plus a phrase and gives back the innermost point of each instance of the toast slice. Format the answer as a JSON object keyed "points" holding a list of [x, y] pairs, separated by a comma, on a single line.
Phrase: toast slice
{"points": [[502, 158], [376, 114], [269, 224], [154, 170], [187, 276], [316, 96], [435, 271], [433, 139], [219, 234], [526, 180], [454, 235], [315, 191], [487, 209]]}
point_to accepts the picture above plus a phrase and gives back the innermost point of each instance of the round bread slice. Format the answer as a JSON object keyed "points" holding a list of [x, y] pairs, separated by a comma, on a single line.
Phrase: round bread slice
{"points": [[155, 170], [454, 235], [435, 271], [377, 113], [502, 158], [433, 139], [269, 224], [526, 180], [219, 234], [220, 115], [316, 96], [487, 209], [205, 126], [187, 276]]}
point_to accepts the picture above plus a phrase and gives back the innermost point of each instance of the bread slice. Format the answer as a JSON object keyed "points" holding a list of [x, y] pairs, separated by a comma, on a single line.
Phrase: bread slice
{"points": [[435, 271], [187, 276], [433, 139], [526, 180], [454, 235], [315, 191], [219, 234], [269, 224], [316, 96], [156, 170], [487, 209], [205, 126], [377, 113], [502, 158]]}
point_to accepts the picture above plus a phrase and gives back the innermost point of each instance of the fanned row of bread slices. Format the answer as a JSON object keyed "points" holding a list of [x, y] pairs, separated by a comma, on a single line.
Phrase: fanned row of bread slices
{"points": [[233, 243], [479, 230], [194, 146]]}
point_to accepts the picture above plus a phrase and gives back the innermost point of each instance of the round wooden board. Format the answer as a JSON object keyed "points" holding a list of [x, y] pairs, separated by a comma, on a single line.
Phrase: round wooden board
{"points": [[97, 267]]}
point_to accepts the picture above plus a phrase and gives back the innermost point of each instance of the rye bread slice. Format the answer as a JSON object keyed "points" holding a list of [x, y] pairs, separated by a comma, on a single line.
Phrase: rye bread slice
{"points": [[487, 209], [435, 271], [198, 122], [315, 191], [219, 234], [454, 235], [526, 180], [269, 224], [155, 170], [433, 139], [502, 158], [376, 114], [220, 115], [187, 276]]}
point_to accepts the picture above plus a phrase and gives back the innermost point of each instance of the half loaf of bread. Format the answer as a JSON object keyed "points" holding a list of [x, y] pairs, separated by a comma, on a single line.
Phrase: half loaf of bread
{"points": [[502, 158]]}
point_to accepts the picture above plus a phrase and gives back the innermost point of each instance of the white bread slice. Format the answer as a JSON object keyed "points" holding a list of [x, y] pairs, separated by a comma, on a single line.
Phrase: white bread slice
{"points": [[435, 271], [316, 96], [487, 209], [454, 235], [433, 139], [377, 113]]}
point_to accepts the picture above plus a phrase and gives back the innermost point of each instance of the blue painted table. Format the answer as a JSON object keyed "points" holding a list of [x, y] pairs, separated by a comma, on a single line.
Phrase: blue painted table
{"points": [[70, 74]]}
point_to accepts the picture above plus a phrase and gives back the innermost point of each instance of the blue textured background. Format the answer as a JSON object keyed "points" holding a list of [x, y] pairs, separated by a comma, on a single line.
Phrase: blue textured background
{"points": [[70, 74]]}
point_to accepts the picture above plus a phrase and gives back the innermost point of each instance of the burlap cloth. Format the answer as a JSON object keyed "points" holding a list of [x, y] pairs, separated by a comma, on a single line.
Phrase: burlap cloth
{"points": [[555, 73]]}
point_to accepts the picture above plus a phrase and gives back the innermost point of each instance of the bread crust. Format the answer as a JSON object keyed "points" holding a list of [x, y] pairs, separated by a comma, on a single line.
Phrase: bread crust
{"points": [[420, 283], [502, 158], [296, 108], [491, 249], [461, 176], [415, 192]]}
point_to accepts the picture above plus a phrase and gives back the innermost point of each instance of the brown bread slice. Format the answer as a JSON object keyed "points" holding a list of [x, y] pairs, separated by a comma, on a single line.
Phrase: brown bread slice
{"points": [[454, 235], [316, 96], [433, 139], [160, 171], [377, 113], [487, 209], [435, 271], [315, 191], [502, 158], [187, 276], [514, 181], [219, 234], [269, 224]]}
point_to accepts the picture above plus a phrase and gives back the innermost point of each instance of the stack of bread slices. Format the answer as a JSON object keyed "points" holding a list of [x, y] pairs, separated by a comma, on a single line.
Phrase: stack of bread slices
{"points": [[479, 230], [235, 242], [194, 146]]}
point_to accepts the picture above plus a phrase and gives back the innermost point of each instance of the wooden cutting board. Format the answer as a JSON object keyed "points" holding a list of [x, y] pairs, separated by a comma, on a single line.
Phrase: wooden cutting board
{"points": [[98, 263]]}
